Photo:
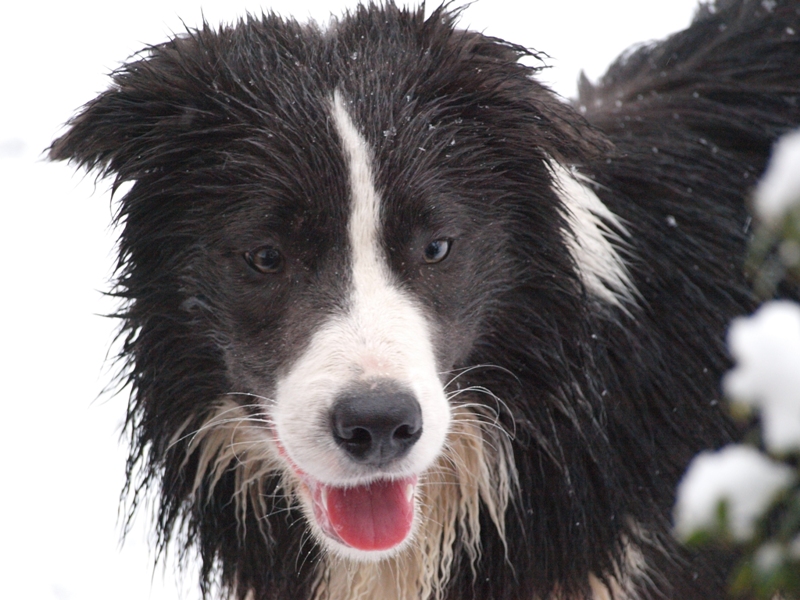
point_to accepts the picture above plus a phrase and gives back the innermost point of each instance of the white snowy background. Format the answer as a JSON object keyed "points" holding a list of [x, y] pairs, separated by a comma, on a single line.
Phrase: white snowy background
{"points": [[61, 463]]}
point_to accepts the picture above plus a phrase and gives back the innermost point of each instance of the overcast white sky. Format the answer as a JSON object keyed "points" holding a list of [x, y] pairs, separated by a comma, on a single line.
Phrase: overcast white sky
{"points": [[61, 466]]}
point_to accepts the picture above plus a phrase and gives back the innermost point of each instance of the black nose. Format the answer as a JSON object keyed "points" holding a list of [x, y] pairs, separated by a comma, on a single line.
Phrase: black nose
{"points": [[376, 424]]}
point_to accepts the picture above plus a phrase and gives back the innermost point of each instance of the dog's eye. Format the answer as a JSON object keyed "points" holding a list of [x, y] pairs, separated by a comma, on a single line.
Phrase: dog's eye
{"points": [[267, 259], [437, 250]]}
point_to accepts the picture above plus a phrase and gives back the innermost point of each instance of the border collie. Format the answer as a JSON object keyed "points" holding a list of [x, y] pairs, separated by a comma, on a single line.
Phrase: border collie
{"points": [[400, 323]]}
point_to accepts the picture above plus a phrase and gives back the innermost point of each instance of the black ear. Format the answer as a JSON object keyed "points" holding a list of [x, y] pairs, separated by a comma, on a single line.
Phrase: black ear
{"points": [[112, 130], [555, 125], [155, 105]]}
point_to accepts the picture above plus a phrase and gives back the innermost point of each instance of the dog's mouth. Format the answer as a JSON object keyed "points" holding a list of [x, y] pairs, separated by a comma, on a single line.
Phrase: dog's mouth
{"points": [[374, 516], [369, 517]]}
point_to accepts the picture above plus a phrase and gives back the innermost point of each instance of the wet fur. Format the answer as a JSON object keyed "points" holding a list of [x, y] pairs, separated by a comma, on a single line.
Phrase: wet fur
{"points": [[579, 390]]}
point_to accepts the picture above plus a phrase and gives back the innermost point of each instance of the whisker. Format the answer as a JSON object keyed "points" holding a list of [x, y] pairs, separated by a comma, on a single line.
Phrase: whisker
{"points": [[217, 421], [463, 371], [482, 407], [251, 395]]}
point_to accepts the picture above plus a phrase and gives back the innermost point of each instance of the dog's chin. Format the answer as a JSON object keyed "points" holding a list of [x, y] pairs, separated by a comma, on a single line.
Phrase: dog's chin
{"points": [[367, 522]]}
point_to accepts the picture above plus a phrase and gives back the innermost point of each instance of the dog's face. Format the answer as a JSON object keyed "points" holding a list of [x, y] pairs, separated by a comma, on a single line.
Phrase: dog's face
{"points": [[312, 248], [341, 335], [346, 298]]}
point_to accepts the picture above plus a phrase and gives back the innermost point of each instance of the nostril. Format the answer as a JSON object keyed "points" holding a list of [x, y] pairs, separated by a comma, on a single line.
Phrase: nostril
{"points": [[406, 432], [354, 435]]}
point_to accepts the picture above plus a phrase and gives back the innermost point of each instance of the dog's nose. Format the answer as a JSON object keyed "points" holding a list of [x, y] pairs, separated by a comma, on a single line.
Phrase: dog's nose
{"points": [[376, 424]]}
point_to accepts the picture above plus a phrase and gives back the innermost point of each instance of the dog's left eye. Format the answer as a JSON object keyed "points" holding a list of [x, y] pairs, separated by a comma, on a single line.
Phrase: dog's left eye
{"points": [[267, 259], [437, 250]]}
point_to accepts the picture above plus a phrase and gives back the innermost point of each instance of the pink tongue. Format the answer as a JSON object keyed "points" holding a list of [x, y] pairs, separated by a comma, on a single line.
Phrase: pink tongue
{"points": [[377, 516]]}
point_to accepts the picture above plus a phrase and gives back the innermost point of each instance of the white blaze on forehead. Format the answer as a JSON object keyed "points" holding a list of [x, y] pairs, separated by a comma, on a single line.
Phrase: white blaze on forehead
{"points": [[368, 270], [382, 333], [593, 239]]}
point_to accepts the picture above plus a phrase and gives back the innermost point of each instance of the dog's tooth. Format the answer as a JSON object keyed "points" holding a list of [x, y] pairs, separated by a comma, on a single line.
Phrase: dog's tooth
{"points": [[409, 492]]}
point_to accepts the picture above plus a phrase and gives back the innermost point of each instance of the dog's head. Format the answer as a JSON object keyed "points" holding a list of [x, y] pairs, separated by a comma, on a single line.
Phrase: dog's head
{"points": [[321, 227]]}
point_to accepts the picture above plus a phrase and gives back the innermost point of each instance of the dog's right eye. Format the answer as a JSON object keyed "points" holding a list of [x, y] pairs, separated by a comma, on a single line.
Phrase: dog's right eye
{"points": [[437, 250], [266, 259]]}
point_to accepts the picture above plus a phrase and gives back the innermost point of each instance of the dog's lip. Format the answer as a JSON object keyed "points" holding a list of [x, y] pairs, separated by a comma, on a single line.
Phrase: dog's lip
{"points": [[318, 495], [400, 493]]}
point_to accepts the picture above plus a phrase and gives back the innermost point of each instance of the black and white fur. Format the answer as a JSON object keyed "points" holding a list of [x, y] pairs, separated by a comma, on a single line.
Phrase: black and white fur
{"points": [[394, 210]]}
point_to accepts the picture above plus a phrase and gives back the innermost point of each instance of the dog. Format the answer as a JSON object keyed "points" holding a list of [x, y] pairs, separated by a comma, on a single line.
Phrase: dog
{"points": [[400, 323]]}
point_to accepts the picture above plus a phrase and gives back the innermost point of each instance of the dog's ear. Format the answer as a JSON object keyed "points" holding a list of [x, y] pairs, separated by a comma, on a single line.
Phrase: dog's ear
{"points": [[111, 131], [498, 74], [142, 118]]}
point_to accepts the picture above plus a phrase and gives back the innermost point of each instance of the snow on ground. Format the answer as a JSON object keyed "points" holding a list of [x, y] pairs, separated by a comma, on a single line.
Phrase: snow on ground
{"points": [[766, 348], [739, 475], [60, 459]]}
